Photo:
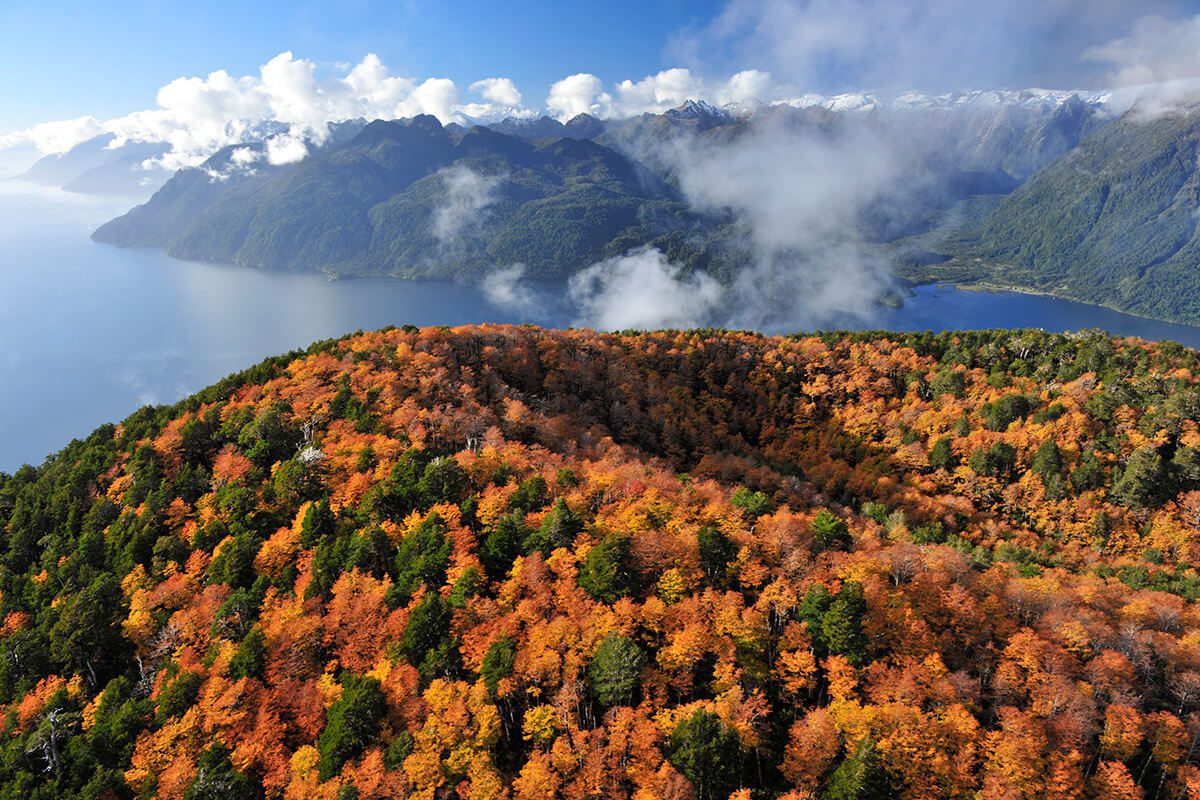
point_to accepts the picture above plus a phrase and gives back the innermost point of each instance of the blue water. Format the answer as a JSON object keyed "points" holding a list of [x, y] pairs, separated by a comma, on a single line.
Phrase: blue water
{"points": [[88, 332]]}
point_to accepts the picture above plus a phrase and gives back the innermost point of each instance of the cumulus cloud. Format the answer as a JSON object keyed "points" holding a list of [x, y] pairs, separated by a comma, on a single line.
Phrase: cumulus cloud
{"points": [[577, 94], [653, 94], [198, 115], [467, 195], [501, 91], [643, 290]]}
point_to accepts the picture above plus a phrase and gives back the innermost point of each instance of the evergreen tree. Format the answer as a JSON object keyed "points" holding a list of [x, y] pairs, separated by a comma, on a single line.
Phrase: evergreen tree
{"points": [[352, 723], [841, 625], [615, 669], [708, 753]]}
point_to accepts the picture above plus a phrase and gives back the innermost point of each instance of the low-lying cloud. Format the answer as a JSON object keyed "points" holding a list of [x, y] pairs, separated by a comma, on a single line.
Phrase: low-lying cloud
{"points": [[467, 195], [506, 288], [643, 290]]}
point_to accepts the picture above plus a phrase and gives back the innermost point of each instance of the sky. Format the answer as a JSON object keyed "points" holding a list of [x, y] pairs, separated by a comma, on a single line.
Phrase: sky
{"points": [[67, 58], [201, 75]]}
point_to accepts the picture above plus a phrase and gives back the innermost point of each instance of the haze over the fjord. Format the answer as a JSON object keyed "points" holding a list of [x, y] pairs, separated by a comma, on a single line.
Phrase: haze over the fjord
{"points": [[799, 193]]}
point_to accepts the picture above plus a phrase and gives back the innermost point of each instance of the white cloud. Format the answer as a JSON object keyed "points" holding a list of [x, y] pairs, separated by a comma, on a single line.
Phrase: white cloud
{"points": [[643, 290], [245, 156], [654, 94], [581, 93], [747, 87], [286, 149], [197, 116], [657, 93], [55, 137], [501, 91], [503, 288], [467, 196], [1156, 66]]}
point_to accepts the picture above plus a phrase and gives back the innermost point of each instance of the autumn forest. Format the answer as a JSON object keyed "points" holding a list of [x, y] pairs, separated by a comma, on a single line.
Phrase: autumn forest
{"points": [[504, 562]]}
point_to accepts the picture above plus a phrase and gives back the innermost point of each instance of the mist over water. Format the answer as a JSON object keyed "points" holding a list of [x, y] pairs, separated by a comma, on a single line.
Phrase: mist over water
{"points": [[88, 332]]}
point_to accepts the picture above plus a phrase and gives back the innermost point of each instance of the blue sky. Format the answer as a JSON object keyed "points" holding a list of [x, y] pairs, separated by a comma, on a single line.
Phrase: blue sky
{"points": [[65, 59], [76, 58]]}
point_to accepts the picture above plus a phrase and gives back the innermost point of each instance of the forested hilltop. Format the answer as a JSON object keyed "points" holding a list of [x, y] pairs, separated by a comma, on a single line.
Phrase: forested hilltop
{"points": [[497, 562]]}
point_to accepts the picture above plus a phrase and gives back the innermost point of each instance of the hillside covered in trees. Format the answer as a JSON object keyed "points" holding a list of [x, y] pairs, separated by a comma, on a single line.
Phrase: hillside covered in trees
{"points": [[498, 562]]}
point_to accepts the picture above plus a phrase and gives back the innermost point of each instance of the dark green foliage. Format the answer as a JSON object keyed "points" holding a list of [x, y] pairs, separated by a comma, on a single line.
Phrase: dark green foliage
{"points": [[841, 625], [352, 723], [812, 609], [426, 642], [503, 544], [87, 639], [318, 523], [716, 551], [468, 585], [531, 495], [268, 438], [498, 662], [948, 381], [829, 531], [859, 777], [558, 529], [614, 670], [178, 695], [941, 455], [997, 461], [234, 564], [147, 475], [236, 615], [397, 750], [249, 659], [1047, 461], [1088, 474], [605, 573], [1005, 411], [708, 753], [297, 480], [422, 558], [400, 494], [216, 779], [442, 481], [1142, 481]]}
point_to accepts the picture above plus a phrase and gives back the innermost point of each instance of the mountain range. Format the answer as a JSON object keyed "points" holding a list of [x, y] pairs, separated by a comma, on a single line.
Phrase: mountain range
{"points": [[96, 166], [419, 199], [1049, 192], [414, 198]]}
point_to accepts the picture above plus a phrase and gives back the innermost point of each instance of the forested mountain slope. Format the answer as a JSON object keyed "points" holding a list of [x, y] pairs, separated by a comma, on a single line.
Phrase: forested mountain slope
{"points": [[505, 562], [1114, 222], [416, 199]]}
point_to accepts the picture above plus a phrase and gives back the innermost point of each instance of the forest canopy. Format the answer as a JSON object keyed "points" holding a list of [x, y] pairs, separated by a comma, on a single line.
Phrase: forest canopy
{"points": [[503, 562]]}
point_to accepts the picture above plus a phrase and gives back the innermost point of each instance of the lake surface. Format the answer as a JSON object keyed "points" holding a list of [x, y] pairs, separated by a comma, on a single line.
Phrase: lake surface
{"points": [[88, 332]]}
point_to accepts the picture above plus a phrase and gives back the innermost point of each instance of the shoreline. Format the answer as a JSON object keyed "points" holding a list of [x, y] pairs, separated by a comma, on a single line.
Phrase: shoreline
{"points": [[992, 287]]}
